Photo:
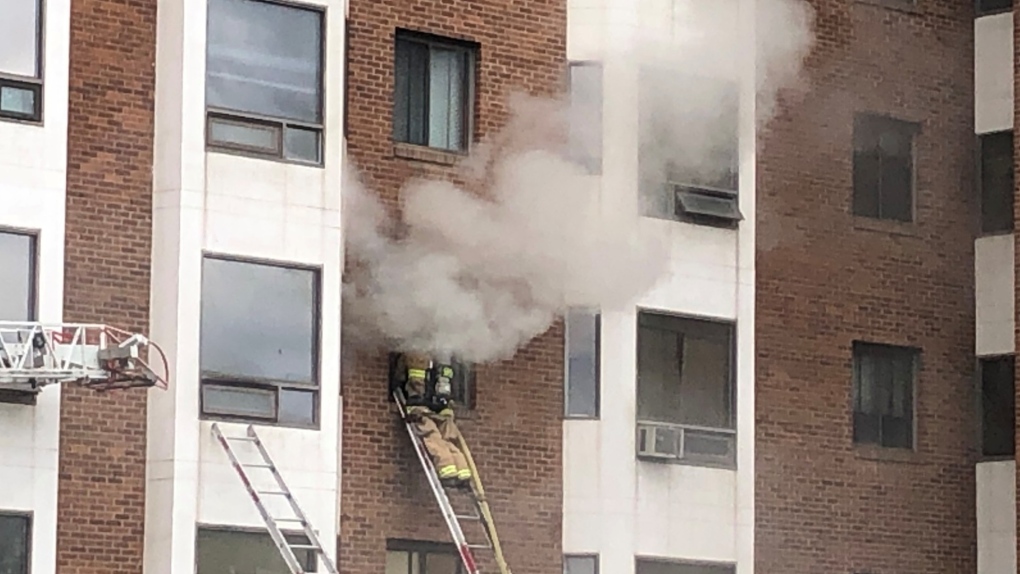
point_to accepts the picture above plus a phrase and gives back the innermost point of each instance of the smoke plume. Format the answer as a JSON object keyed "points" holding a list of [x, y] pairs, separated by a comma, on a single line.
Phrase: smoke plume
{"points": [[476, 269]]}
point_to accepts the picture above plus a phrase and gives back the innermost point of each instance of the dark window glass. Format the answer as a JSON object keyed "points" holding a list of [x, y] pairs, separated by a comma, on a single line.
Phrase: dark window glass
{"points": [[586, 115], [240, 552], [993, 6], [405, 557], [997, 182], [580, 564], [17, 277], [264, 67], [883, 168], [582, 392], [260, 340], [685, 372], [15, 543], [652, 566], [998, 402], [432, 88], [884, 395]]}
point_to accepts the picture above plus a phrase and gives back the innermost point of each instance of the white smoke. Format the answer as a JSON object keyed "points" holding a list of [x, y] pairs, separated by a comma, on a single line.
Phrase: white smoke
{"points": [[478, 270]]}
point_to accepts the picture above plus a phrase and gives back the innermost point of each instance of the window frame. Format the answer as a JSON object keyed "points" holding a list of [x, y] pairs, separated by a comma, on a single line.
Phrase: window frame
{"points": [[34, 83], [215, 114], [884, 349], [472, 52], [594, 556], [423, 549], [863, 120], [731, 566], [469, 382], [597, 415], [978, 11], [266, 385], [731, 387], [15, 396], [29, 518], [982, 422], [981, 139], [591, 165], [289, 534]]}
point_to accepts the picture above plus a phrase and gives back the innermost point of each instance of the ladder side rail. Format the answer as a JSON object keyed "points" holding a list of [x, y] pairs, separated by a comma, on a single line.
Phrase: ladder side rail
{"points": [[274, 532], [466, 556], [482, 504], [313, 538]]}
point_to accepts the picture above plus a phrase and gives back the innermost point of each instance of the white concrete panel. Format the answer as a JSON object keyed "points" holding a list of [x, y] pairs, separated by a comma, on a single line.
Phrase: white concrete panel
{"points": [[994, 295], [996, 517], [33, 174], [993, 73], [214, 202], [613, 504]]}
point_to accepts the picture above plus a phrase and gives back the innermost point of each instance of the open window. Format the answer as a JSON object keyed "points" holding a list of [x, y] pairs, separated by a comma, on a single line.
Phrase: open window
{"points": [[15, 542], [689, 155], [18, 285], [998, 402], [685, 390]]}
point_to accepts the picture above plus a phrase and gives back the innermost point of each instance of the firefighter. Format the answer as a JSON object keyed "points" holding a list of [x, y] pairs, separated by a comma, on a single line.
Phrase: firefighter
{"points": [[430, 410]]}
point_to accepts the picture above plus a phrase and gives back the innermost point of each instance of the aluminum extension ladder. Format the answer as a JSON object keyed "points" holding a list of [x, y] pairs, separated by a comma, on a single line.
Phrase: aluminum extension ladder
{"points": [[450, 515], [273, 522]]}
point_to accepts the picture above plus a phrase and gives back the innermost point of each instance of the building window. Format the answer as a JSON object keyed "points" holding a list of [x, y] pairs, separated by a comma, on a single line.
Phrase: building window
{"points": [[432, 99], [463, 387], [406, 557], [260, 342], [586, 115], [581, 564], [884, 395], [883, 172], [15, 542], [986, 7], [689, 156], [264, 79], [998, 400], [582, 376], [17, 276], [685, 390], [244, 552], [996, 182], [21, 60], [658, 566]]}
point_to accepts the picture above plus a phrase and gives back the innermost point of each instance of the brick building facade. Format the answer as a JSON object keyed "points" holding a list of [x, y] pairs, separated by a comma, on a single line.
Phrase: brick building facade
{"points": [[514, 428], [828, 277]]}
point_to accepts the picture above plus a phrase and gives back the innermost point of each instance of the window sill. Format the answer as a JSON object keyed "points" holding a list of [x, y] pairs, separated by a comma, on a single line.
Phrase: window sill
{"points": [[907, 6], [426, 154], [212, 418], [902, 228], [687, 462], [887, 454]]}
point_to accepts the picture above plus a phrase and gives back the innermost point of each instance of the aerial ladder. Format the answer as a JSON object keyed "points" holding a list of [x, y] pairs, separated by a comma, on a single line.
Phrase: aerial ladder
{"points": [[454, 517], [34, 355]]}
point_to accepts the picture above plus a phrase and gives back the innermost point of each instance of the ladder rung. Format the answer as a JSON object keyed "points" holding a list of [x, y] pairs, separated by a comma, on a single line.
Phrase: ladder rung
{"points": [[468, 517], [304, 547], [257, 465], [479, 546], [277, 492], [240, 438], [289, 519]]}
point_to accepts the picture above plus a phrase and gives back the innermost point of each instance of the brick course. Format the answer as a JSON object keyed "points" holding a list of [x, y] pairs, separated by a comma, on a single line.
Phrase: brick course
{"points": [[826, 278], [100, 518], [516, 431]]}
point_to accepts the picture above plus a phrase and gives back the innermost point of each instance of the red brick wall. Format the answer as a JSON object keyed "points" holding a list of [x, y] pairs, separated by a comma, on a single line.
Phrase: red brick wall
{"points": [[516, 435], [825, 279], [109, 198]]}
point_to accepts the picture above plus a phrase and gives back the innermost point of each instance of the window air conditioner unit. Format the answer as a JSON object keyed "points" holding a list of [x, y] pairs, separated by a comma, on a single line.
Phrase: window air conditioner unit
{"points": [[659, 441]]}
